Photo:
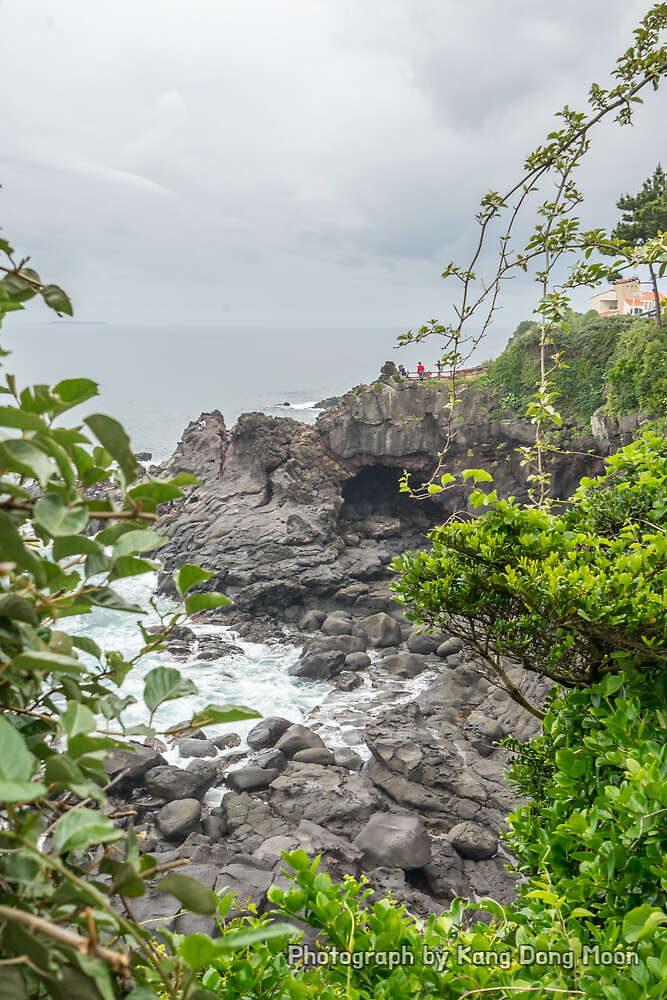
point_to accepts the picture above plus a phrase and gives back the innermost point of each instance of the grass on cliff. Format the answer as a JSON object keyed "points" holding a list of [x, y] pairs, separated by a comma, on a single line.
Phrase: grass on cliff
{"points": [[618, 361]]}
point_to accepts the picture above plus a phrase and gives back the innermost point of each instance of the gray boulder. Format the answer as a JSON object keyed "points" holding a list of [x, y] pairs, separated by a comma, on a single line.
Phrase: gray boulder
{"points": [[226, 741], [449, 647], [196, 748], [404, 664], [483, 732], [357, 661], [337, 624], [422, 643], [248, 821], [473, 841], [318, 665], [382, 630], [312, 620], [179, 818], [297, 738], [171, 783], [251, 778], [267, 732], [391, 840], [271, 758], [314, 755], [136, 760], [344, 643], [333, 797], [248, 878], [345, 757]]}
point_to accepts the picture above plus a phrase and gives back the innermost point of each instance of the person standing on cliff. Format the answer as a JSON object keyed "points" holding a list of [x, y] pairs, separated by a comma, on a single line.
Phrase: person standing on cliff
{"points": [[421, 371]]}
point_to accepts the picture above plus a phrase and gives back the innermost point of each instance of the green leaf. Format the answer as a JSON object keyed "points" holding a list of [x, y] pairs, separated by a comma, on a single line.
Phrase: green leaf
{"points": [[243, 938], [192, 893], [12, 416], [189, 576], [130, 566], [87, 645], [56, 299], [185, 479], [164, 684], [78, 719], [108, 598], [636, 920], [217, 715], [73, 391], [155, 491], [26, 459], [13, 549], [44, 661], [137, 540], [74, 545], [202, 602], [12, 983], [478, 475], [53, 514], [611, 683], [16, 764], [80, 828], [112, 436], [18, 609]]}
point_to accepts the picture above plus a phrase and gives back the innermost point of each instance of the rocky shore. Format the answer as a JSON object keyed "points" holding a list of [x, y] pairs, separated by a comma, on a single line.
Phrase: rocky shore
{"points": [[398, 772]]}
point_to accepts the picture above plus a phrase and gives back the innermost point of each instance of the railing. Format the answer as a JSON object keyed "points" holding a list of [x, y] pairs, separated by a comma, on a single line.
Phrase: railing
{"points": [[440, 375]]}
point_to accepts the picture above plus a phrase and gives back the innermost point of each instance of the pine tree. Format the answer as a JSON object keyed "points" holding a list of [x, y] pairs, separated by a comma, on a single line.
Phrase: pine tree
{"points": [[645, 217]]}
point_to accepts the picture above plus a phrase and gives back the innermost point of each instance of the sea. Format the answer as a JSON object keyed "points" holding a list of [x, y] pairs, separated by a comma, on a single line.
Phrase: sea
{"points": [[155, 380]]}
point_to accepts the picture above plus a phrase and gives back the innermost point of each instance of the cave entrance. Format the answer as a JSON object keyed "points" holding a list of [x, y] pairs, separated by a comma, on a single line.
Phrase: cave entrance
{"points": [[373, 494]]}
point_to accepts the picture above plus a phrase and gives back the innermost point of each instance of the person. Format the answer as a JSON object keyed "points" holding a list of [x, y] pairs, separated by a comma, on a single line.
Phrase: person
{"points": [[421, 371], [401, 371], [439, 367]]}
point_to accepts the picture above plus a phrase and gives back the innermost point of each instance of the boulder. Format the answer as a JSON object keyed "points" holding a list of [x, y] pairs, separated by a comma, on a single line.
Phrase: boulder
{"points": [[297, 738], [483, 732], [337, 624], [333, 797], [449, 647], [348, 680], [196, 748], [271, 758], [422, 643], [136, 760], [314, 755], [179, 818], [351, 593], [171, 783], [267, 732], [312, 620], [391, 840], [226, 741], [251, 778], [318, 665], [249, 879], [382, 630], [338, 857], [248, 821], [344, 643], [357, 661], [345, 757], [473, 841], [404, 664]]}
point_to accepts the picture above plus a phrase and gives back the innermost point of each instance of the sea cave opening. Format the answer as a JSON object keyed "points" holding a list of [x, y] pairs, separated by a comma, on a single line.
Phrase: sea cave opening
{"points": [[373, 492]]}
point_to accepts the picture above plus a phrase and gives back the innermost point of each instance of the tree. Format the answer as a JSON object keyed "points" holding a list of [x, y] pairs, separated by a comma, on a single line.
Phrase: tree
{"points": [[644, 218]]}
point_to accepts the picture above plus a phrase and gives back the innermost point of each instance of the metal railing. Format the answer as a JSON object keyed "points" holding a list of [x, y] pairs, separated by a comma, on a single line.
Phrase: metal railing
{"points": [[442, 375]]}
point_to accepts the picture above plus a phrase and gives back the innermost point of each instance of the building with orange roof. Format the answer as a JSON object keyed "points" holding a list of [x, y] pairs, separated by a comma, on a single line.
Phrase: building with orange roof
{"points": [[625, 299]]}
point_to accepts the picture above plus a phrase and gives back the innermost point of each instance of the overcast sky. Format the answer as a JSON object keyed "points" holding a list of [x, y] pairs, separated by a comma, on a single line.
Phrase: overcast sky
{"points": [[289, 161]]}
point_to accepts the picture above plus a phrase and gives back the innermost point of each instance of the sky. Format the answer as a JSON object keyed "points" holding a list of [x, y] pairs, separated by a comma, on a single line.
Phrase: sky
{"points": [[291, 161]]}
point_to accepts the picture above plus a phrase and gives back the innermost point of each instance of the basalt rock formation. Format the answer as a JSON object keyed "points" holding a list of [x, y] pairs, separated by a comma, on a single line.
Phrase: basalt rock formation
{"points": [[292, 517]]}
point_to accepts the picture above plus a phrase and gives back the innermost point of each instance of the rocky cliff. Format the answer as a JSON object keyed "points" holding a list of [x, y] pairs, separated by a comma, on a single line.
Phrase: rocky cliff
{"points": [[292, 516]]}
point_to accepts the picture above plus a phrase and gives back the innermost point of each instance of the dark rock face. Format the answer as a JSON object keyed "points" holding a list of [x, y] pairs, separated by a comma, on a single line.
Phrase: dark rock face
{"points": [[179, 818], [171, 783], [267, 732], [132, 763], [294, 517], [394, 841]]}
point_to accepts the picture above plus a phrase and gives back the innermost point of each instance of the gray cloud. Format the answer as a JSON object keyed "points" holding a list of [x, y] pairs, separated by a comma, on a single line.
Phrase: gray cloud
{"points": [[288, 160]]}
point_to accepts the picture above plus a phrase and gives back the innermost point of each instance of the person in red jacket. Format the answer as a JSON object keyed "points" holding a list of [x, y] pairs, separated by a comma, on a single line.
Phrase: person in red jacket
{"points": [[421, 371]]}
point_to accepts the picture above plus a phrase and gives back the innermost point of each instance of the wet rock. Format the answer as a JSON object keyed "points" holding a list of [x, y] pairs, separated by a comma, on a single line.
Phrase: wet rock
{"points": [[249, 821], [248, 878], [179, 818], [318, 665], [271, 758], [297, 738], [315, 755], [338, 857], [345, 757], [196, 748], [352, 592], [337, 624], [357, 661], [391, 840], [423, 643], [473, 841], [312, 620], [404, 664], [267, 732], [483, 733], [343, 643], [348, 681], [171, 783], [333, 797], [251, 778], [449, 646], [382, 630], [136, 760], [226, 741]]}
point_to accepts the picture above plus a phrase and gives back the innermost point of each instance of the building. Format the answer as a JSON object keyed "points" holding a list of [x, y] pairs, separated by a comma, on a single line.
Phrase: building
{"points": [[625, 299]]}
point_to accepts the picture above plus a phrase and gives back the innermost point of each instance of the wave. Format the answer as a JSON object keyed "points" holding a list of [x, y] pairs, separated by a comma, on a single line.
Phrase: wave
{"points": [[294, 406]]}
